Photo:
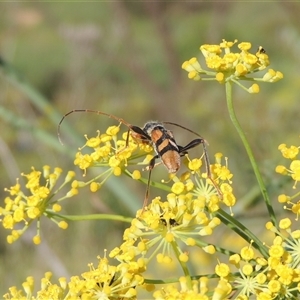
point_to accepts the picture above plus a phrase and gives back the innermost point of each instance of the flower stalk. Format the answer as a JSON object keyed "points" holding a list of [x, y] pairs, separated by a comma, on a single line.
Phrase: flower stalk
{"points": [[246, 144]]}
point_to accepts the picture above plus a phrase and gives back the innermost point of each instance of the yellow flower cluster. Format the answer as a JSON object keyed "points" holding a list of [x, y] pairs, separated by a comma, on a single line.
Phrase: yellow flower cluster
{"points": [[186, 216], [292, 203], [199, 290], [107, 150], [25, 207], [104, 282], [227, 66], [276, 276]]}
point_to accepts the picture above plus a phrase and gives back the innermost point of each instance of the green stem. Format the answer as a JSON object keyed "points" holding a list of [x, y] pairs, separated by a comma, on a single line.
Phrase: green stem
{"points": [[119, 218], [242, 231], [182, 264], [257, 173]]}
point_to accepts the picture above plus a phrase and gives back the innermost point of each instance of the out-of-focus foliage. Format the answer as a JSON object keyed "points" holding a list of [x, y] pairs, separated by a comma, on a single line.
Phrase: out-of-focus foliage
{"points": [[125, 58]]}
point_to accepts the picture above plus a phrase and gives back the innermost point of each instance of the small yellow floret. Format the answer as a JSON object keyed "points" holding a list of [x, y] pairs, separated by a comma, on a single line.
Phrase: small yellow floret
{"points": [[36, 239], [281, 170], [285, 223], [283, 198], [70, 176], [220, 77], [183, 257], [190, 241], [95, 186], [169, 237], [113, 130], [222, 270], [247, 269], [72, 192], [177, 188], [56, 207], [117, 171], [234, 259], [247, 253], [210, 249], [136, 174], [63, 224], [240, 70], [254, 89], [194, 75], [244, 46], [114, 162], [195, 164]]}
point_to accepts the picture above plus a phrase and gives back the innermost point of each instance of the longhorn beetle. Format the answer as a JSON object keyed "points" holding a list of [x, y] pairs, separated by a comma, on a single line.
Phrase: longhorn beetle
{"points": [[161, 139]]}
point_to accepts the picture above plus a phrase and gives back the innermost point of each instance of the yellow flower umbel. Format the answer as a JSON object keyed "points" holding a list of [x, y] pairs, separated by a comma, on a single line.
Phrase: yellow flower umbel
{"points": [[231, 68], [165, 230], [291, 203], [23, 207], [103, 282], [199, 290], [226, 65], [107, 150], [275, 276]]}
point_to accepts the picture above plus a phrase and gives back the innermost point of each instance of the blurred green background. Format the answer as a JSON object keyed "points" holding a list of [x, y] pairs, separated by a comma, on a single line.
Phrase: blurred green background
{"points": [[125, 58]]}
